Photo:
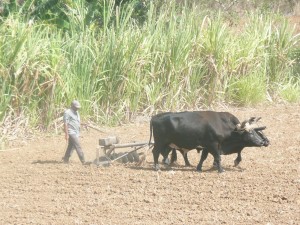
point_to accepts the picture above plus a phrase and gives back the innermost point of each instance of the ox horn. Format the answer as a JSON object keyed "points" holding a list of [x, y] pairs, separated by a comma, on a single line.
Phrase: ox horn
{"points": [[249, 124], [259, 128], [256, 119], [252, 120]]}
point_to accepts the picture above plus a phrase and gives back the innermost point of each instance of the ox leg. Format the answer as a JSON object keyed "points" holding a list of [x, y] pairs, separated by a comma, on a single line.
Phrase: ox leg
{"points": [[202, 159], [155, 153], [238, 159], [173, 156], [215, 165], [186, 160], [217, 157], [184, 155], [165, 155]]}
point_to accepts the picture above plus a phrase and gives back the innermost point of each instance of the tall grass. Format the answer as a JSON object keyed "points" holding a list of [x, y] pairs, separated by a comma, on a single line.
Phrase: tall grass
{"points": [[178, 59]]}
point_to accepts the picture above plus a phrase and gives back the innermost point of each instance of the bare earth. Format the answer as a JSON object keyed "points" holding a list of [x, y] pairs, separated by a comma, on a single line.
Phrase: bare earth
{"points": [[36, 188]]}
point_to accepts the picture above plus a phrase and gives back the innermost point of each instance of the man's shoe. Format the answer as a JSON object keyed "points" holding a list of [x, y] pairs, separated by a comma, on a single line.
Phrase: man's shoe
{"points": [[86, 163], [66, 161]]}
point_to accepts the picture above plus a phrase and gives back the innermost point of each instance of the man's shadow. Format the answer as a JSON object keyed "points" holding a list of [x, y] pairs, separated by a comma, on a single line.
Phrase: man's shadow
{"points": [[57, 162], [47, 162]]}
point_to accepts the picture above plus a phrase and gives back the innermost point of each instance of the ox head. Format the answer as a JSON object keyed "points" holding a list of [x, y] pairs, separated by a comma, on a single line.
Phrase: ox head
{"points": [[251, 133]]}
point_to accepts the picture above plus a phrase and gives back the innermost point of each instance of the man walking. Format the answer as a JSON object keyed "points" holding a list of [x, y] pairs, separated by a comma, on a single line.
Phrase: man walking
{"points": [[72, 130]]}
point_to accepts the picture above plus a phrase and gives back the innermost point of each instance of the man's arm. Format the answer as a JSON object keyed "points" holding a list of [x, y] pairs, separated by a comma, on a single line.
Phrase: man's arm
{"points": [[66, 131]]}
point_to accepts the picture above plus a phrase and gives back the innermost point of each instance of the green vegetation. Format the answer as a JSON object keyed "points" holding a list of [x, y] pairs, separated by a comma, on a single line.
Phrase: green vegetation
{"points": [[129, 59]]}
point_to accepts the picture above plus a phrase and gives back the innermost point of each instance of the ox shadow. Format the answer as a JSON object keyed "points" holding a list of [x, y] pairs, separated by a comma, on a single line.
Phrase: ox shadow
{"points": [[226, 168], [188, 169]]}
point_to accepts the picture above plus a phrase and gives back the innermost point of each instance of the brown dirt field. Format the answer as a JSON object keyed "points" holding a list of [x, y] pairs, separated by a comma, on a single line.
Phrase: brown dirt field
{"points": [[295, 22], [36, 188]]}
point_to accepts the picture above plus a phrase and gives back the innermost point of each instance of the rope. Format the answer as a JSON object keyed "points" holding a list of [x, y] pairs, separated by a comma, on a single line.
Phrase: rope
{"points": [[9, 150]]}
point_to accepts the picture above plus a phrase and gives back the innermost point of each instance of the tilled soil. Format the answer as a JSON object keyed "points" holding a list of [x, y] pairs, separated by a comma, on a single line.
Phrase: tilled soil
{"points": [[36, 188]]}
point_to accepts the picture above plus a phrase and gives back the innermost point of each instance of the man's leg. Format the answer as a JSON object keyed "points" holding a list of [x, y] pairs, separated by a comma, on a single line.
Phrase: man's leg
{"points": [[69, 151], [75, 141]]}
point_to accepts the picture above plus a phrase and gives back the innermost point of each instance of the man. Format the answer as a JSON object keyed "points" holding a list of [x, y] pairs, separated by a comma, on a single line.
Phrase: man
{"points": [[72, 130]]}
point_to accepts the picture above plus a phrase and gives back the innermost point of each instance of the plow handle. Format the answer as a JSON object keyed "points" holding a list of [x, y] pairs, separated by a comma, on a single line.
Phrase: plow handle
{"points": [[129, 152]]}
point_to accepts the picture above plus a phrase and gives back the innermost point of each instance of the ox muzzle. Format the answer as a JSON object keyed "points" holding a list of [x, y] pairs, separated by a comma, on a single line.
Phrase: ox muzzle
{"points": [[259, 130]]}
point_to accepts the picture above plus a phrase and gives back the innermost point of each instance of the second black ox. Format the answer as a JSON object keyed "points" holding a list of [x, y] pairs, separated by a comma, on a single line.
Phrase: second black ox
{"points": [[216, 133]]}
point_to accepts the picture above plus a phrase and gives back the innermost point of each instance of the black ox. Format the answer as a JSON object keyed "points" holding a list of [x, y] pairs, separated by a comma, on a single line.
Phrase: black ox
{"points": [[217, 133]]}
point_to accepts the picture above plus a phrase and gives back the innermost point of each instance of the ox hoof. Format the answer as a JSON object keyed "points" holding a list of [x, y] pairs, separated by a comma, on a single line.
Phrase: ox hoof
{"points": [[175, 163], [236, 163], [221, 170], [199, 170], [156, 167], [166, 161]]}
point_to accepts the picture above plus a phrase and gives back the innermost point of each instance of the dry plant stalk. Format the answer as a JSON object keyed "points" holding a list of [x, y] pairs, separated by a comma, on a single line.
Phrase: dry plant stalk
{"points": [[14, 128]]}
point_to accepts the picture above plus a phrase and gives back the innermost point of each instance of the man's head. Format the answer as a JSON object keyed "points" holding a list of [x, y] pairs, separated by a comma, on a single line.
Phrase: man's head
{"points": [[75, 105]]}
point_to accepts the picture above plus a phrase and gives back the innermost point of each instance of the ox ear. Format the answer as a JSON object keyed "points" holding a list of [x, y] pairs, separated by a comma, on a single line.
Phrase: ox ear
{"points": [[239, 128]]}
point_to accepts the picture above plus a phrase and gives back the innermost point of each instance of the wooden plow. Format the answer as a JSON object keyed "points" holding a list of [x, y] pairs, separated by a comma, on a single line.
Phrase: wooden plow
{"points": [[109, 155]]}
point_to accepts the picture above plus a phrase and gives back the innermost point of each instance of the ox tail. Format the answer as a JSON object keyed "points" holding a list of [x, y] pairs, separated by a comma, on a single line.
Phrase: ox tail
{"points": [[151, 129]]}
